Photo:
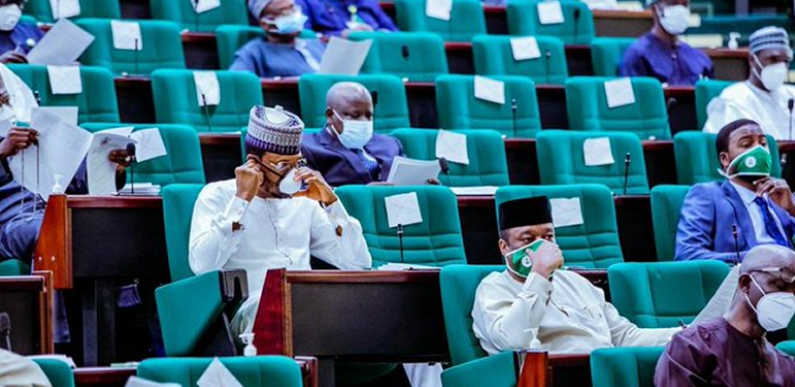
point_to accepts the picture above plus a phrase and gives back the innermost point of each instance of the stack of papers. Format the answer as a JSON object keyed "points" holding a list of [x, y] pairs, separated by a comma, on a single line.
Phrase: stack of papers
{"points": [[407, 171], [485, 190], [145, 189], [135, 381], [405, 266]]}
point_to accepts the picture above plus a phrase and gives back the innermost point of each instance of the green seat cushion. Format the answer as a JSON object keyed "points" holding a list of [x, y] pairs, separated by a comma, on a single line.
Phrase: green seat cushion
{"points": [[416, 56], [14, 267], [59, 373], [494, 56], [706, 90], [607, 55], [624, 367], [249, 371], [523, 20], [466, 19], [496, 371], [666, 205], [787, 347], [42, 9], [182, 13], [178, 202]]}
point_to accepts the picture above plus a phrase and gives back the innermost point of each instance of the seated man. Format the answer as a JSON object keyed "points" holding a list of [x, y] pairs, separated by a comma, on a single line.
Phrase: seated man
{"points": [[20, 371], [280, 53], [661, 55], [275, 213], [341, 17], [537, 303], [732, 350], [16, 39], [763, 97], [757, 205], [346, 151]]}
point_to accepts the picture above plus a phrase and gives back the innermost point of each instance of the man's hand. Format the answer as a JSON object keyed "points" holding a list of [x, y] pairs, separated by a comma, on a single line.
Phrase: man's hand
{"points": [[318, 188], [13, 57], [121, 158], [17, 140], [779, 192], [546, 259], [248, 178]]}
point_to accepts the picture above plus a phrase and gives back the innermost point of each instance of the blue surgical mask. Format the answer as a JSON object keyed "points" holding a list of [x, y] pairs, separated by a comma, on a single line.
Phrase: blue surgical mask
{"points": [[355, 133], [288, 24]]}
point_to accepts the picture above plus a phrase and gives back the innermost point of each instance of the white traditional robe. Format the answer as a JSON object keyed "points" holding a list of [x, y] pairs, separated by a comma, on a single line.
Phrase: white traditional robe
{"points": [[744, 100], [22, 99], [17, 371]]}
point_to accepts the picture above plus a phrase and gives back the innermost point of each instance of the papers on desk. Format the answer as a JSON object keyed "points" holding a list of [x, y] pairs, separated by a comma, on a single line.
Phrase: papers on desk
{"points": [[126, 35], [524, 48], [202, 6], [344, 57], [65, 79], [550, 12], [217, 375], [403, 209], [439, 9], [490, 90], [597, 151], [144, 189], [61, 46], [62, 358], [135, 381], [64, 8], [208, 89], [566, 212], [407, 171], [452, 146], [393, 266], [101, 171], [66, 113], [619, 92], [484, 190]]}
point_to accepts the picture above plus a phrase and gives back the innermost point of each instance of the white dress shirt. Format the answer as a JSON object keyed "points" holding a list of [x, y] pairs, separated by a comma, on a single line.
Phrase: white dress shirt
{"points": [[566, 315], [755, 213], [744, 100]]}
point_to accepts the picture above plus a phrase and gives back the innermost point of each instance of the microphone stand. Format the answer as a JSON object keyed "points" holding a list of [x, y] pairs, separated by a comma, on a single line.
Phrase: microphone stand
{"points": [[736, 244], [627, 161], [400, 241], [546, 66], [136, 57], [513, 115], [206, 113]]}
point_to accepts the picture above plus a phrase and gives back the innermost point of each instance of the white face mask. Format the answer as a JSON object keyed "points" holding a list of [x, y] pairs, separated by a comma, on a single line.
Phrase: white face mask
{"points": [[288, 185], [355, 134], [674, 18], [774, 310], [9, 16], [772, 76]]}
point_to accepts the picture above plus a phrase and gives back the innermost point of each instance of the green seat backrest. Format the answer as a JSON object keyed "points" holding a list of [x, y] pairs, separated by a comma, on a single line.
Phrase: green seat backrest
{"points": [[787, 347], [183, 163], [58, 373], [705, 91], [666, 205], [277, 371], [458, 108], [436, 241], [499, 370], [458, 284], [107, 9], [174, 93], [647, 117], [494, 56], [523, 20], [485, 149], [593, 244], [417, 56], [697, 158], [389, 97], [178, 202], [161, 47], [96, 103], [14, 267], [660, 294], [231, 38], [182, 13], [624, 367], [561, 152], [466, 19], [607, 55]]}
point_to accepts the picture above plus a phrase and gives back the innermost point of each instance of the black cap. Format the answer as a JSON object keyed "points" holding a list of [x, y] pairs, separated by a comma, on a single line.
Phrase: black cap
{"points": [[525, 212]]}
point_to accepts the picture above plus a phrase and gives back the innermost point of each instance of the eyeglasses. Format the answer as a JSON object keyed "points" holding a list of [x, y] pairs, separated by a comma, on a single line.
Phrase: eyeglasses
{"points": [[784, 274], [282, 166]]}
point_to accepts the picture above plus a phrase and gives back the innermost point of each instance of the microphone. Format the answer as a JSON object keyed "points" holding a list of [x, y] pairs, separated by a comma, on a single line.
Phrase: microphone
{"points": [[546, 65], [404, 50], [513, 115], [135, 57], [670, 105], [131, 155], [5, 329], [206, 110], [195, 15], [627, 162], [444, 165], [400, 239], [736, 244], [37, 96], [790, 106], [576, 23], [374, 96]]}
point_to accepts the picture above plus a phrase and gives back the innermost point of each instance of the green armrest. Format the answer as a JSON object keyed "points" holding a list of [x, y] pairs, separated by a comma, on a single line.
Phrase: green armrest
{"points": [[13, 267], [787, 347], [58, 372], [494, 371]]}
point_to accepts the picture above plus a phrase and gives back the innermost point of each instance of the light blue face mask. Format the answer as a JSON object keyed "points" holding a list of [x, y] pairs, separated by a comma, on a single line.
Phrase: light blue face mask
{"points": [[288, 24]]}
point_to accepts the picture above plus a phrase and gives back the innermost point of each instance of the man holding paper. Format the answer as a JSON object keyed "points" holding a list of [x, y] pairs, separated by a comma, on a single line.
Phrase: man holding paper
{"points": [[16, 39]]}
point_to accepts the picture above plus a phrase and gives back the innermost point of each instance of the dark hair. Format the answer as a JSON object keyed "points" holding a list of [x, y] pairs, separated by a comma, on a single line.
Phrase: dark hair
{"points": [[722, 142]]}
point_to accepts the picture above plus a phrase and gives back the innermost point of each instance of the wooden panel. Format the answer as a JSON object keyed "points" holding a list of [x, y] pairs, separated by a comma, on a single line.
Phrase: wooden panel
{"points": [[54, 248], [46, 312], [103, 376]]}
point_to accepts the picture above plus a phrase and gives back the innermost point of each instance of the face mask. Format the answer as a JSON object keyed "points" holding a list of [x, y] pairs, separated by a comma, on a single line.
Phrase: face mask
{"points": [[772, 76], [355, 134], [9, 16], [753, 162], [289, 24], [774, 310], [286, 184], [519, 262], [675, 19]]}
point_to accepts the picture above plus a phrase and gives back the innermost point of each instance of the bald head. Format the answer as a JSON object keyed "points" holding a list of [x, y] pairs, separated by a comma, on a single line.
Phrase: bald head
{"points": [[768, 256], [347, 101], [766, 269]]}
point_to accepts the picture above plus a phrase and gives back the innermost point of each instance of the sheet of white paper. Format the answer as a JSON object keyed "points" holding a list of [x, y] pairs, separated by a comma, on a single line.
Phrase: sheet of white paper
{"points": [[452, 146], [405, 266], [202, 6], [61, 149], [135, 381], [694, 21], [207, 88], [550, 12], [66, 113], [721, 301], [344, 57], [406, 171], [566, 212], [5, 126], [217, 375], [150, 144], [101, 171], [597, 151], [403, 209], [635, 6], [525, 48], [125, 131], [619, 92], [126, 35], [65, 8], [485, 190], [490, 90], [61, 46], [439, 9], [65, 79]]}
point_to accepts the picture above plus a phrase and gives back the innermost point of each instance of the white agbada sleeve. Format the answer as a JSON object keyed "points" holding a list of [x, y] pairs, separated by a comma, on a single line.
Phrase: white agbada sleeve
{"points": [[212, 240], [626, 334], [346, 249], [721, 111], [22, 99]]}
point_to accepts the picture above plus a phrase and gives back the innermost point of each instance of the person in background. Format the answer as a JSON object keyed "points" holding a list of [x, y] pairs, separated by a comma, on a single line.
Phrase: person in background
{"points": [[341, 17], [660, 54], [16, 39], [280, 53]]}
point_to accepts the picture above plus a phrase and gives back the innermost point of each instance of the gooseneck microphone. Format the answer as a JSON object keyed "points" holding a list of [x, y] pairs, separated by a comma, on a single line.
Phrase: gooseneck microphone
{"points": [[206, 110], [131, 155], [404, 50], [400, 241], [444, 165], [790, 106], [513, 115], [548, 57], [576, 23], [736, 244], [627, 162]]}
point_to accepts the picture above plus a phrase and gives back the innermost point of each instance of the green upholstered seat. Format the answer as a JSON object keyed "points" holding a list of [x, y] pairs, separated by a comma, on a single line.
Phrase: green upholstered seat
{"points": [[174, 93], [96, 103], [458, 108], [391, 109], [577, 27], [666, 205], [436, 241], [647, 117], [458, 284], [607, 54], [183, 163], [494, 56], [561, 152], [417, 56], [466, 19], [706, 90], [485, 148], [182, 13], [660, 294], [277, 371], [494, 371], [787, 347], [178, 202], [58, 373], [42, 9], [231, 38], [697, 158], [161, 48], [593, 244], [624, 367], [14, 267]]}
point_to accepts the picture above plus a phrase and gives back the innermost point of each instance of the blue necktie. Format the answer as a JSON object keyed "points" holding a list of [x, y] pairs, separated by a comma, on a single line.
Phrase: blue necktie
{"points": [[370, 165], [770, 224]]}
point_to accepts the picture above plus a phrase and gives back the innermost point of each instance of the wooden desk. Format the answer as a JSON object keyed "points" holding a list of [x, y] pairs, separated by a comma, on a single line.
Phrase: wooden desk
{"points": [[730, 65], [542, 369], [28, 302]]}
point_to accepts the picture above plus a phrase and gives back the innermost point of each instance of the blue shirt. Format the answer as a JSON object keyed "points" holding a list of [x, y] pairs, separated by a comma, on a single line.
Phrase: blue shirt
{"points": [[681, 65], [331, 16], [18, 37], [269, 60]]}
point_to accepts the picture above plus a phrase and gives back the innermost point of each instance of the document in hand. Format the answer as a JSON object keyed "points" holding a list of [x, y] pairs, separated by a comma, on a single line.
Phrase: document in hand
{"points": [[407, 171], [344, 57], [101, 171], [61, 46]]}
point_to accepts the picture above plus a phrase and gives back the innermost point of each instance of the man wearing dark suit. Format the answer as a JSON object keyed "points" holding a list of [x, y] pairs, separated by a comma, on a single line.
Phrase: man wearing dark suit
{"points": [[346, 151], [759, 206]]}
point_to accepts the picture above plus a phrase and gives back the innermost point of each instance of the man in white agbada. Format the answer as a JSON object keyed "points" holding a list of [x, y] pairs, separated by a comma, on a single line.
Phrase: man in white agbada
{"points": [[274, 214], [19, 371], [537, 304], [763, 97]]}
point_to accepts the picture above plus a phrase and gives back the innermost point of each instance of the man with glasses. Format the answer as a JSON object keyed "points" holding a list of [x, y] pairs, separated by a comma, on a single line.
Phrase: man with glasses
{"points": [[732, 350]]}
